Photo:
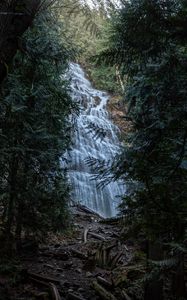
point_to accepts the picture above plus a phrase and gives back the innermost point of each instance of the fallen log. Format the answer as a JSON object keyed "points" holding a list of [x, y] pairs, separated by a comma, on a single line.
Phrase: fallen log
{"points": [[85, 235], [72, 296], [115, 259], [78, 254], [40, 295], [125, 296], [116, 235], [97, 236], [43, 278], [61, 255], [103, 293], [88, 211], [101, 256], [49, 266], [52, 288], [54, 292], [58, 255], [126, 248], [104, 282], [110, 247], [111, 221]]}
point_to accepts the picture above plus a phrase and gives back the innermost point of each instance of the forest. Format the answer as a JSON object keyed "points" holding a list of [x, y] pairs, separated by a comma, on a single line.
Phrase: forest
{"points": [[93, 149]]}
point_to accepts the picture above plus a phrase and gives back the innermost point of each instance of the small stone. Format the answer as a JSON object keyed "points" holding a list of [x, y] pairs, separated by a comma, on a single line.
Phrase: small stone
{"points": [[79, 271], [88, 274], [80, 290], [70, 290]]}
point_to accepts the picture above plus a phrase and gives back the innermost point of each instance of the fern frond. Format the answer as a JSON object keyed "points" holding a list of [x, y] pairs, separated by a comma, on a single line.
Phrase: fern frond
{"points": [[165, 263]]}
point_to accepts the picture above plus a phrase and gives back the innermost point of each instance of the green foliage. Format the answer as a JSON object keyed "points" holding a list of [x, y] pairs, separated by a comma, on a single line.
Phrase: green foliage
{"points": [[86, 27], [148, 41], [104, 78], [156, 95], [35, 133]]}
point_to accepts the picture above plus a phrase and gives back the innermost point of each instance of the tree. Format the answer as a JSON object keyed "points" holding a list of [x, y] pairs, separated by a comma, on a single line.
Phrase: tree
{"points": [[148, 40], [15, 18], [35, 132]]}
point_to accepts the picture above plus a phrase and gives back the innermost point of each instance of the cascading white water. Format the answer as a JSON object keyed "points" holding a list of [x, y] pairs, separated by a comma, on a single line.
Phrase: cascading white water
{"points": [[93, 111]]}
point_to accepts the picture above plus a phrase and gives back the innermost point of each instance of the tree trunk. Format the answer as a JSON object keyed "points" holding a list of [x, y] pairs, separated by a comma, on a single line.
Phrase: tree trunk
{"points": [[119, 79], [11, 204], [18, 232], [178, 282], [154, 288]]}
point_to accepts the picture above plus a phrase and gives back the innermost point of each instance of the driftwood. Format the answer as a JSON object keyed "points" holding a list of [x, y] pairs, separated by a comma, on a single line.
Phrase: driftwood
{"points": [[49, 266], [124, 295], [88, 211], [78, 254], [72, 296], [45, 254], [104, 282], [85, 235], [93, 234], [116, 235], [111, 221], [115, 259], [54, 292], [40, 295], [126, 248], [51, 286], [103, 293], [58, 255], [43, 278], [110, 247], [97, 236], [61, 255], [101, 256]]}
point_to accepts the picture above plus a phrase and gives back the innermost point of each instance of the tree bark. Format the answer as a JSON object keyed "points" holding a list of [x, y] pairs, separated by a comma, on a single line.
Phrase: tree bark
{"points": [[10, 210], [154, 288], [178, 282]]}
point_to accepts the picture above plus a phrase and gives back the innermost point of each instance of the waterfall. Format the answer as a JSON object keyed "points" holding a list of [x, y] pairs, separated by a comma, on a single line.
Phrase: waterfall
{"points": [[93, 111]]}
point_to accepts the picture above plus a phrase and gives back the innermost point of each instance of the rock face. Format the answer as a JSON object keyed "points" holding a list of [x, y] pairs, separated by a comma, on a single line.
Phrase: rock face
{"points": [[117, 112]]}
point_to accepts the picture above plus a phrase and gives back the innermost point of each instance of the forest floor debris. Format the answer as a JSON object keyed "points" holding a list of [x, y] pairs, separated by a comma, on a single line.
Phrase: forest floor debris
{"points": [[90, 265]]}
